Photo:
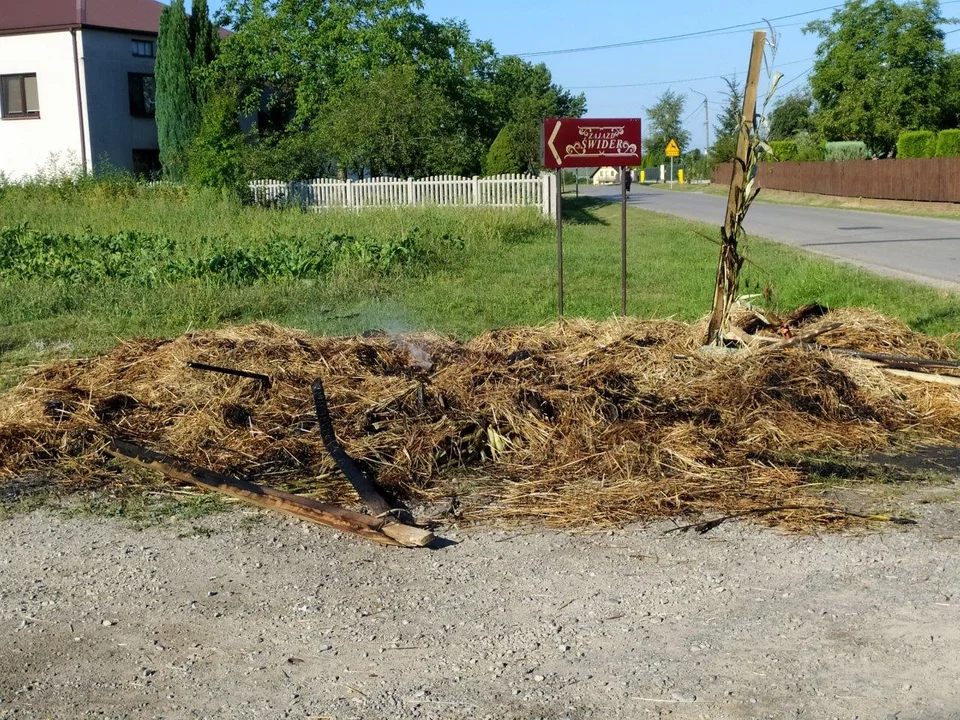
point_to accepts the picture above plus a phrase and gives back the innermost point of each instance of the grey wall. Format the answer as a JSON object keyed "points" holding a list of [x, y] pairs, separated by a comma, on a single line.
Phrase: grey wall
{"points": [[114, 132]]}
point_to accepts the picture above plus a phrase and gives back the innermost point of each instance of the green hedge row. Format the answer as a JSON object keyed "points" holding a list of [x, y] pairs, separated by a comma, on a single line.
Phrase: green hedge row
{"points": [[846, 150], [928, 144]]}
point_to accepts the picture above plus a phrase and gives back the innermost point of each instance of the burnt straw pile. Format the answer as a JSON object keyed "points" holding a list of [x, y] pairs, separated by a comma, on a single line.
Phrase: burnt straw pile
{"points": [[578, 423]]}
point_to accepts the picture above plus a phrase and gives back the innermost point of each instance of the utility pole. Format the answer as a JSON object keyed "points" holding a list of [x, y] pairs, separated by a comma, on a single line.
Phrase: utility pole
{"points": [[706, 117]]}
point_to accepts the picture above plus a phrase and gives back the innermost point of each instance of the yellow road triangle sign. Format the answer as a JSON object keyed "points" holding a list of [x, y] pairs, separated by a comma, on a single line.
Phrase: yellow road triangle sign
{"points": [[673, 150]]}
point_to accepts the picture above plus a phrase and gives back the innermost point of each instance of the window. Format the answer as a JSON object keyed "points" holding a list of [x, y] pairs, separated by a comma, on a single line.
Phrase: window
{"points": [[142, 95], [144, 48], [146, 163], [19, 96]]}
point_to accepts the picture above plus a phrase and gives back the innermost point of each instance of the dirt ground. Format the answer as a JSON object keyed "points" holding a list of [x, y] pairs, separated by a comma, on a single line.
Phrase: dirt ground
{"points": [[248, 615]]}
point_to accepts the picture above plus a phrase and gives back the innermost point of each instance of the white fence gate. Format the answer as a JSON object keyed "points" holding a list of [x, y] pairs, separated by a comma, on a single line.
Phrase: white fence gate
{"points": [[499, 191]]}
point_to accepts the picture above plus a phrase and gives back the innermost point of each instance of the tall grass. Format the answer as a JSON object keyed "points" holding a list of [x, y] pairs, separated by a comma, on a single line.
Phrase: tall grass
{"points": [[479, 268]]}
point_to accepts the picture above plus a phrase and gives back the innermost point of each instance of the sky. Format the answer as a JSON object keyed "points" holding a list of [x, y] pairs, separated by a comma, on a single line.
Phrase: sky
{"points": [[623, 82]]}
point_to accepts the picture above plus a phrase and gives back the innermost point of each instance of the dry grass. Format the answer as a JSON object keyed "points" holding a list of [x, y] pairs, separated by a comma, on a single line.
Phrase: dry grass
{"points": [[578, 423]]}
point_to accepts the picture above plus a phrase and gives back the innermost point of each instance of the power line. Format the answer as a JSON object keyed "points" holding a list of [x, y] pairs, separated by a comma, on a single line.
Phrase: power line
{"points": [[695, 111], [682, 36], [698, 34], [672, 82]]}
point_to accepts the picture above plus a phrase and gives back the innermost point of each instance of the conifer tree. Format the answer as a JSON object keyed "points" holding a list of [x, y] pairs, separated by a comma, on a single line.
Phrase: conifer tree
{"points": [[176, 112], [203, 38]]}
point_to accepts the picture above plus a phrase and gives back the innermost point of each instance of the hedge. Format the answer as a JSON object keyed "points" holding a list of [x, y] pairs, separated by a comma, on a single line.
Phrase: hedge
{"points": [[948, 143], [917, 144], [846, 150]]}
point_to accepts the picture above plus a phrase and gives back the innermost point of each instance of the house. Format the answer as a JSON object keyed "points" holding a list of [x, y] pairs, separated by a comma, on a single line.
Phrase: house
{"points": [[77, 85], [609, 176]]}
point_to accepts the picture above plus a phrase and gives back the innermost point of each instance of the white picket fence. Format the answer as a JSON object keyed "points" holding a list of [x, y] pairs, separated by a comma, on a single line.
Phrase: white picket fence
{"points": [[498, 191]]}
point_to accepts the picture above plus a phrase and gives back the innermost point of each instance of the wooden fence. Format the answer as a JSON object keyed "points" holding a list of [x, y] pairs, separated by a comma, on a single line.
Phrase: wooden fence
{"points": [[498, 191], [925, 179]]}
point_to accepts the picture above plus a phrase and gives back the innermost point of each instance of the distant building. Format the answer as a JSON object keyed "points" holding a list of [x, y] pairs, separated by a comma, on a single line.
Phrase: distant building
{"points": [[77, 85], [609, 176]]}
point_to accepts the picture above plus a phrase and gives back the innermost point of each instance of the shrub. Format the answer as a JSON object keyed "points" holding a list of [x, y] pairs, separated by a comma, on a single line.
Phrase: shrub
{"points": [[948, 143], [846, 150], [809, 147], [216, 158], [783, 150], [917, 144], [505, 154]]}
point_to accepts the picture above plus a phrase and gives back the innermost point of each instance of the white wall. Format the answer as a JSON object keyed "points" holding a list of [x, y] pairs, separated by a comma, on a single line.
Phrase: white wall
{"points": [[114, 133], [30, 145]]}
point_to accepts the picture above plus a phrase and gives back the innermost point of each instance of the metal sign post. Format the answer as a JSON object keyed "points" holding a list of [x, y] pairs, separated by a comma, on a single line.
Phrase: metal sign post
{"points": [[673, 150], [589, 142], [623, 240], [559, 210]]}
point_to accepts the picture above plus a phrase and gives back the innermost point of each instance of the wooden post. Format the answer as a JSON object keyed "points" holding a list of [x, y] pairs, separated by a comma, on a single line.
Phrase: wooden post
{"points": [[728, 271]]}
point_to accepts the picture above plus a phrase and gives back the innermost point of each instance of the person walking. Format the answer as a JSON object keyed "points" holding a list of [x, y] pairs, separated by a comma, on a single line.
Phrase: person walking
{"points": [[628, 178]]}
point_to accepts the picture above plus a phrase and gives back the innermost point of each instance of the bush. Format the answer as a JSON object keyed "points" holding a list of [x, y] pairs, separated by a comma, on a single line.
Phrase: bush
{"points": [[287, 157], [846, 150], [505, 154], [917, 144], [216, 158], [783, 151], [948, 143]]}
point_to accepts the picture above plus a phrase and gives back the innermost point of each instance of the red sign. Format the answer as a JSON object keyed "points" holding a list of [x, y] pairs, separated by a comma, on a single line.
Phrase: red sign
{"points": [[588, 142]]}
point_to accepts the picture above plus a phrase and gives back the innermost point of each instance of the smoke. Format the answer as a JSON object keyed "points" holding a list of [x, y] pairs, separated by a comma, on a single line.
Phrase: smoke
{"points": [[419, 357]]}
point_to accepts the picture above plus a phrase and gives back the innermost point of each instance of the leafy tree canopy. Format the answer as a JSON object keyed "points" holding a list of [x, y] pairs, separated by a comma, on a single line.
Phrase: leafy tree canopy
{"points": [[664, 124], [727, 128], [295, 59], [791, 115], [391, 122], [878, 71]]}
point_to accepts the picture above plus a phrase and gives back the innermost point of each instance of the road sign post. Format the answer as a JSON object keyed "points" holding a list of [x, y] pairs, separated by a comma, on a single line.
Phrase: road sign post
{"points": [[673, 150], [623, 240], [587, 142]]}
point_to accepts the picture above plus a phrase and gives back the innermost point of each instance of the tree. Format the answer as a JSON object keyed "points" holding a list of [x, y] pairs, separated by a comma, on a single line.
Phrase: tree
{"points": [[950, 112], [664, 125], [176, 109], [298, 56], [391, 121], [727, 128], [217, 155], [790, 116], [878, 71], [203, 35]]}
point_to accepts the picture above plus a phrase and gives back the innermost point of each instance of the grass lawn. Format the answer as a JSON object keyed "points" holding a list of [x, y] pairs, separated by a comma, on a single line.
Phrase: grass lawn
{"points": [[948, 211], [454, 271]]}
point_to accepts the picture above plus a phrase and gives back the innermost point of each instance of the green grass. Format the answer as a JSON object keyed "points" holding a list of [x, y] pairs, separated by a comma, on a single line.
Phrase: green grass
{"points": [[479, 269]]}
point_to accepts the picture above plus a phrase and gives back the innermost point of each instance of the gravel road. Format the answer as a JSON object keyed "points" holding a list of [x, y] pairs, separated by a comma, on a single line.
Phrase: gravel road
{"points": [[243, 615]]}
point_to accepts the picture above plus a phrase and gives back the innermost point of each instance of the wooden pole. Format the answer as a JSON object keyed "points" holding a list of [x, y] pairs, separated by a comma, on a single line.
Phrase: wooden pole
{"points": [[304, 508], [366, 489], [728, 271]]}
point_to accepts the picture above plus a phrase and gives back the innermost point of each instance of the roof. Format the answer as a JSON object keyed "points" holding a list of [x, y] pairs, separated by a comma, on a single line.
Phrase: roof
{"points": [[41, 15]]}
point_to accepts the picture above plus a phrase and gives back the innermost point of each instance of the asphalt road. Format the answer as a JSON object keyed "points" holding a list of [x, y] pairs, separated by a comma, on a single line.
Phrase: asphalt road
{"points": [[923, 249]]}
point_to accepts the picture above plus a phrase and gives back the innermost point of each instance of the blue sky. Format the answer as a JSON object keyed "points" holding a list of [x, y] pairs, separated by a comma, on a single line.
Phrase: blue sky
{"points": [[527, 26]]}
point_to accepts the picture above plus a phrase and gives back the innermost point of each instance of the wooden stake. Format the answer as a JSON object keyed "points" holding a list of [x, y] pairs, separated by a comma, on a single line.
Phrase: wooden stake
{"points": [[925, 377], [806, 337], [728, 271], [304, 508], [366, 489]]}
